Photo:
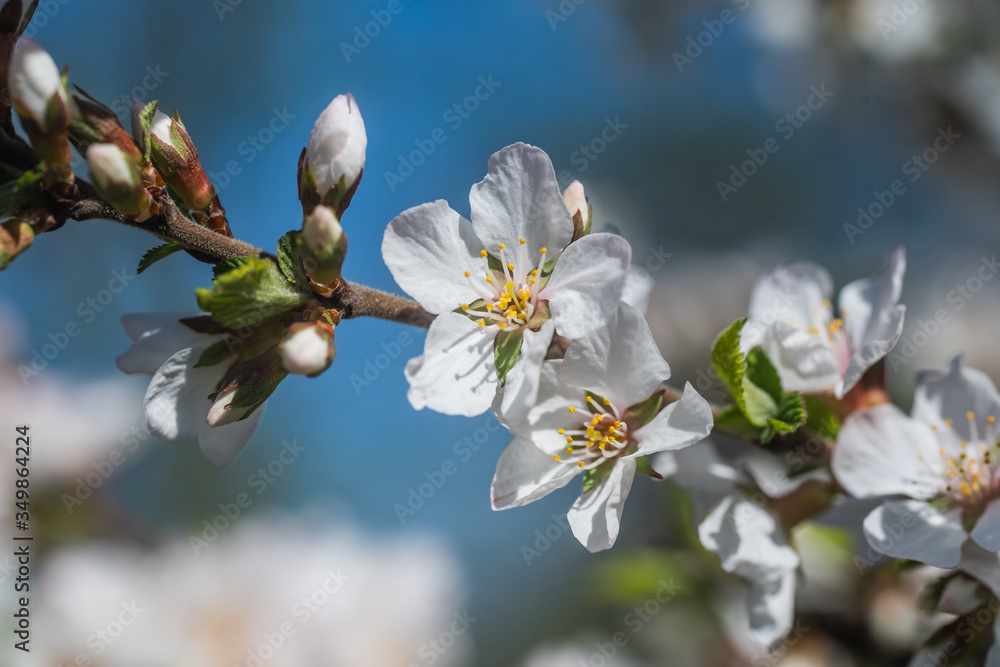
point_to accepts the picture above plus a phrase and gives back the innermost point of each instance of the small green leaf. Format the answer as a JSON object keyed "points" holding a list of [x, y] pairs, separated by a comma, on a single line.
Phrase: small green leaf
{"points": [[249, 294], [215, 354], [822, 421], [642, 413], [594, 476], [732, 419], [227, 265], [727, 359], [507, 349], [644, 467], [290, 260], [145, 122], [154, 255], [762, 373], [790, 416]]}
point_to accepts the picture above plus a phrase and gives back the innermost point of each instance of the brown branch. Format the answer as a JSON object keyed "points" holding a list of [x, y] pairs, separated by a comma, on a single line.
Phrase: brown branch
{"points": [[363, 301]]}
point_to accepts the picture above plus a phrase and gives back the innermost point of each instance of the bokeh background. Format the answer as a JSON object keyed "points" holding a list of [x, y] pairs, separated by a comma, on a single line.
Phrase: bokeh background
{"points": [[651, 105]]}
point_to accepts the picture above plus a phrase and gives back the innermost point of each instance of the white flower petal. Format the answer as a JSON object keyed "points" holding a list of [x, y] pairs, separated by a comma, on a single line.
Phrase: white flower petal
{"points": [[987, 530], [520, 392], [221, 445], [176, 401], [771, 608], [700, 469], [586, 284], [620, 362], [866, 305], [595, 517], [952, 395], [747, 539], [428, 249], [456, 375], [872, 350], [551, 411], [788, 293], [682, 423], [914, 530], [520, 198], [982, 564], [805, 362], [157, 337], [525, 473], [878, 454], [638, 288]]}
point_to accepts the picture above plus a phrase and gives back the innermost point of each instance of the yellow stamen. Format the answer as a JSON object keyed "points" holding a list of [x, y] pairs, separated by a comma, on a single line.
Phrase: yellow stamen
{"points": [[580, 463], [562, 431], [521, 241], [544, 250], [502, 246], [572, 408], [482, 323], [556, 457], [607, 401], [483, 253], [947, 422], [465, 306], [468, 273], [970, 415], [510, 267]]}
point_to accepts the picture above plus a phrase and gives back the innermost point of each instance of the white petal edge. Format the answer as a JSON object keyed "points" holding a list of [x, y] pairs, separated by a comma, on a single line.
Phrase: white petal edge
{"points": [[525, 473], [595, 517], [680, 424], [223, 444], [913, 530]]}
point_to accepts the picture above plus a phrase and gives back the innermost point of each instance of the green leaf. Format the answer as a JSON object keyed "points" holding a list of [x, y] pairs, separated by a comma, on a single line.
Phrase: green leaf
{"points": [[154, 255], [821, 419], [642, 413], [145, 122], [732, 419], [507, 349], [731, 366], [790, 416], [290, 260], [215, 354], [644, 467], [227, 265], [594, 476], [249, 294], [762, 373]]}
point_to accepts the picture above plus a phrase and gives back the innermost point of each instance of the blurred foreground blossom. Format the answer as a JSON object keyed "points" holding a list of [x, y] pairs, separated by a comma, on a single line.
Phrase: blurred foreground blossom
{"points": [[272, 592]]}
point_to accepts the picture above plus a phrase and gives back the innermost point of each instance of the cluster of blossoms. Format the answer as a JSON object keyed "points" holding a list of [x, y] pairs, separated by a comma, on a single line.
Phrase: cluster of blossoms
{"points": [[533, 315]]}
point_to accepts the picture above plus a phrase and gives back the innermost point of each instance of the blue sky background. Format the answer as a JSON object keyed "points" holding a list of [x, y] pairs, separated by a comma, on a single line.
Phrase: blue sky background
{"points": [[558, 87]]}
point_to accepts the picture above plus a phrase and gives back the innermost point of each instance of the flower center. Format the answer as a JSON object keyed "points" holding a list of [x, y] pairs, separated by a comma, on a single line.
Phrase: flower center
{"points": [[968, 467], [508, 288], [598, 437], [822, 323]]}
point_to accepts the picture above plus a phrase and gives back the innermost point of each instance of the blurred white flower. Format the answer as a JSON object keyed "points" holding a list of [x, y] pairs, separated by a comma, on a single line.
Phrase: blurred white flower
{"points": [[269, 592], [792, 319], [34, 79]]}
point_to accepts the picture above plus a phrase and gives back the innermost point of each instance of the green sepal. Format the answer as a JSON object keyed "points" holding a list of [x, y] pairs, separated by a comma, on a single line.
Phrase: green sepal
{"points": [[644, 467], [642, 413], [177, 139], [290, 260], [215, 354], [594, 476], [507, 349], [145, 122], [154, 255], [250, 294]]}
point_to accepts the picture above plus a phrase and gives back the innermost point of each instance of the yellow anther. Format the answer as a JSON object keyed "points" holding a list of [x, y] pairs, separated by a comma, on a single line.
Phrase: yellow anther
{"points": [[502, 246], [502, 325], [963, 444], [941, 451], [611, 438], [556, 457], [601, 446], [482, 323], [544, 250], [510, 267], [468, 274], [933, 427], [580, 463], [951, 473], [489, 279], [569, 439], [607, 401], [991, 419], [970, 415], [465, 306], [562, 431], [521, 241], [826, 303], [534, 272], [489, 306], [947, 422], [835, 325], [483, 253], [590, 398], [534, 280], [812, 330], [572, 408], [951, 462], [569, 450]]}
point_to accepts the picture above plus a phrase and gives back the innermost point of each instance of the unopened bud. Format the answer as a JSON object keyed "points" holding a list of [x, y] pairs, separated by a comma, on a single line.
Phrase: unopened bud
{"points": [[308, 349], [246, 388], [325, 245], [117, 180], [40, 99], [93, 123], [174, 155], [16, 236], [334, 156], [579, 209]]}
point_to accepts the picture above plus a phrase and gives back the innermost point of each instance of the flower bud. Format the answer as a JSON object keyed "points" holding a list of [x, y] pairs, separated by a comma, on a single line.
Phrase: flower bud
{"points": [[117, 180], [325, 245], [308, 349], [95, 123], [16, 236], [246, 388], [334, 156], [40, 99], [174, 155], [579, 209]]}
